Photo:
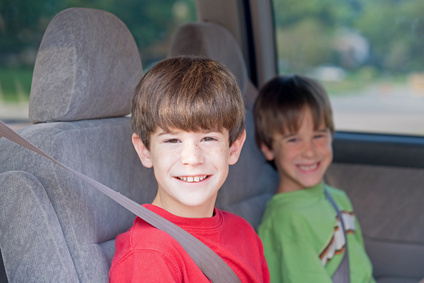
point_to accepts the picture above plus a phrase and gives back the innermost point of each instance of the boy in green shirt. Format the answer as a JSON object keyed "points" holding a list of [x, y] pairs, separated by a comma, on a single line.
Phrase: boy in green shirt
{"points": [[302, 236]]}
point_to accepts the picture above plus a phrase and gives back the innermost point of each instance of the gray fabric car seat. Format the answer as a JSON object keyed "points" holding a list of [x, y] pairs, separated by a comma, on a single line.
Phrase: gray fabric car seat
{"points": [[251, 181], [3, 277], [388, 204], [53, 226]]}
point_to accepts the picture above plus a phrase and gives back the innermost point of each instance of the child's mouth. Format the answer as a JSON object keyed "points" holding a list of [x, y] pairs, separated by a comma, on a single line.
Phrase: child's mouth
{"points": [[308, 167], [192, 179]]}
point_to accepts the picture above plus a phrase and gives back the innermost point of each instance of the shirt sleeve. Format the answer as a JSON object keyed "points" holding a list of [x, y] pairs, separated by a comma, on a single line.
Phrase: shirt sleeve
{"points": [[144, 266]]}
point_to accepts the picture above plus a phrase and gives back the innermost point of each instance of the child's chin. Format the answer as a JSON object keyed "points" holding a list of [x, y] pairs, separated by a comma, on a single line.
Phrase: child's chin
{"points": [[309, 184]]}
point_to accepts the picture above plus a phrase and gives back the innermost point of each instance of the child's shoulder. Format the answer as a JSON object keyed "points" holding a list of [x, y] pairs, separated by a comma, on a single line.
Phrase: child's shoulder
{"points": [[236, 231], [294, 203], [340, 197], [335, 191], [298, 206], [144, 236], [232, 219], [282, 211]]}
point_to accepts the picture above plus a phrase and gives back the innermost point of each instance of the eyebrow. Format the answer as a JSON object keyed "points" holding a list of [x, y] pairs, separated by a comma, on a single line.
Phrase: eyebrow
{"points": [[293, 134], [163, 132], [288, 135]]}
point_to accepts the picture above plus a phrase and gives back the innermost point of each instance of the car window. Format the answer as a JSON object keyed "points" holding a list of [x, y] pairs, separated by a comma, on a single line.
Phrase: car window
{"points": [[22, 25], [367, 53]]}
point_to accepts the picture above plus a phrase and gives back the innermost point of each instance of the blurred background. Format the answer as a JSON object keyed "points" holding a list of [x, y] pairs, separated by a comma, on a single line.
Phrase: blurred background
{"points": [[369, 54]]}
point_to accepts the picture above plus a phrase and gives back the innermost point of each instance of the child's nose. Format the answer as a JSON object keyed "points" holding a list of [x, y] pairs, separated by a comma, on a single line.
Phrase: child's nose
{"points": [[191, 154], [309, 149]]}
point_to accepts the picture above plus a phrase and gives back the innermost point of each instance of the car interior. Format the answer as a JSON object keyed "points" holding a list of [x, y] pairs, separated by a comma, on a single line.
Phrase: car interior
{"points": [[56, 228]]}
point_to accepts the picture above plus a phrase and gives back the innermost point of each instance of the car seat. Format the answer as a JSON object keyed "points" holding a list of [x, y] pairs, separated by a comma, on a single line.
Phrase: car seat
{"points": [[251, 181], [53, 226], [388, 203]]}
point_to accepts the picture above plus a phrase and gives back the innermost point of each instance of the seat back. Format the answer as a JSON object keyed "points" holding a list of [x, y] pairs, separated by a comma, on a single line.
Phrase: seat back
{"points": [[53, 226], [3, 277], [388, 204], [251, 181]]}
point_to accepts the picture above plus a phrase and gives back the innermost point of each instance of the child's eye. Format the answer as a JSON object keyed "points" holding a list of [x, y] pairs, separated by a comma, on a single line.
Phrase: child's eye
{"points": [[208, 139], [171, 141], [292, 140], [320, 135]]}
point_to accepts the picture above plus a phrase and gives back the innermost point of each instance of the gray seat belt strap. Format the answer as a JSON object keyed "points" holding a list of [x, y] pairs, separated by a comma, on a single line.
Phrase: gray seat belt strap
{"points": [[342, 274], [212, 265]]}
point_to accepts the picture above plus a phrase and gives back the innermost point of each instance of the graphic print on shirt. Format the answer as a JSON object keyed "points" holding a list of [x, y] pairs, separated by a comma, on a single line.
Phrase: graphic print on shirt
{"points": [[337, 242]]}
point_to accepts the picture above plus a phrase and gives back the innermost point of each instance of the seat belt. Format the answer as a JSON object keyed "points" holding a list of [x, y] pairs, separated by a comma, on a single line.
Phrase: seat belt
{"points": [[212, 265], [342, 274]]}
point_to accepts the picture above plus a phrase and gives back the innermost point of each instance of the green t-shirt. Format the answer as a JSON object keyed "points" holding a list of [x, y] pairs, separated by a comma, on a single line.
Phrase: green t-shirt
{"points": [[302, 239]]}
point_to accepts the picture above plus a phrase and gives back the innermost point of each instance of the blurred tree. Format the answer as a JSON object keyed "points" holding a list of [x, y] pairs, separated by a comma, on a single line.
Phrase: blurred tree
{"points": [[314, 32], [395, 30], [152, 23], [304, 44], [23, 22], [306, 30]]}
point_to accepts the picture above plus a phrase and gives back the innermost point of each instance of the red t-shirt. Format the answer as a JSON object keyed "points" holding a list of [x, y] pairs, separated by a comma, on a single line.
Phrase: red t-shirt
{"points": [[146, 254]]}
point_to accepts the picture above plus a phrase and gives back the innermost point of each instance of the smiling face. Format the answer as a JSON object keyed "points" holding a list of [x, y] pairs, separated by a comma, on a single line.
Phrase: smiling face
{"points": [[301, 158], [190, 168]]}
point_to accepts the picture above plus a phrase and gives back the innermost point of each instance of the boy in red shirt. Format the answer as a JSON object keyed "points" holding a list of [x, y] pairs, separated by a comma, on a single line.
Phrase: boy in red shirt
{"points": [[188, 123]]}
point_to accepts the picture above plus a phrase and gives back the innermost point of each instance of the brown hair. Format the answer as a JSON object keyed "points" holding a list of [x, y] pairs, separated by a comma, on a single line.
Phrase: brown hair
{"points": [[280, 105], [190, 94]]}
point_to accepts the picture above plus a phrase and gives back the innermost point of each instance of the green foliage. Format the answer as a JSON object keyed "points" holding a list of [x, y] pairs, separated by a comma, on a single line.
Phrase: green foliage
{"points": [[23, 22], [310, 33], [15, 84], [303, 45], [393, 30]]}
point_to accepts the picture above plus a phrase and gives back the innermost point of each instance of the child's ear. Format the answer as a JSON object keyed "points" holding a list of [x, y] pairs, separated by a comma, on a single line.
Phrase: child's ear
{"points": [[142, 151], [268, 153], [235, 148]]}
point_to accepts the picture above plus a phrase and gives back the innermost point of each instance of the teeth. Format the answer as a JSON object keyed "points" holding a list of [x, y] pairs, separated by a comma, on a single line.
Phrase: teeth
{"points": [[311, 167], [193, 179]]}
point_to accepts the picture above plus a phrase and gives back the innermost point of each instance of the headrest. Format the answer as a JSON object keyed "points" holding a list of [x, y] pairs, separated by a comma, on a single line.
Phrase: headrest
{"points": [[87, 67], [213, 41]]}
